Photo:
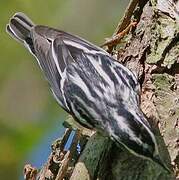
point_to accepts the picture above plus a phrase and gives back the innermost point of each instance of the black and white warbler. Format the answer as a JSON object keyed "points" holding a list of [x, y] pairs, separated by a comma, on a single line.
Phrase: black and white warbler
{"points": [[89, 84]]}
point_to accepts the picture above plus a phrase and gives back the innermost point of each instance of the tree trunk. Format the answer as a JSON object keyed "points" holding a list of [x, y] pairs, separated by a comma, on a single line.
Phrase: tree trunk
{"points": [[151, 51]]}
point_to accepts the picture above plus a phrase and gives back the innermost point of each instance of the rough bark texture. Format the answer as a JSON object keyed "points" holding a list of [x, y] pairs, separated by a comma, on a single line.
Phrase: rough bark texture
{"points": [[151, 51]]}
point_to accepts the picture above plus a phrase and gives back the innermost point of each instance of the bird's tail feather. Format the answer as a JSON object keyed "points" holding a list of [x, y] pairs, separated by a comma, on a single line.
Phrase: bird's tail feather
{"points": [[19, 27]]}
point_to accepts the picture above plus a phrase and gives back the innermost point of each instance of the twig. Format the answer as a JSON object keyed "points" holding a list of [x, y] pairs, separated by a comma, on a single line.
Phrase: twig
{"points": [[110, 42], [68, 157], [60, 143], [63, 166], [30, 173], [123, 27], [50, 169], [60, 162], [126, 19]]}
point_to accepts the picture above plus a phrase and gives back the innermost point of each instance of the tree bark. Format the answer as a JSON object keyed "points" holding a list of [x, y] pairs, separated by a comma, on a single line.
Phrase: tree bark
{"points": [[151, 51]]}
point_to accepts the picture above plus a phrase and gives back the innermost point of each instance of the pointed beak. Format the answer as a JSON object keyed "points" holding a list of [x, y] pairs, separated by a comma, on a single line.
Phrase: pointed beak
{"points": [[159, 161]]}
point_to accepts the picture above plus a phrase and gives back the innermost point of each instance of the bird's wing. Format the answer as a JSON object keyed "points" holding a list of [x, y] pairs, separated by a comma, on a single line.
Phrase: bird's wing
{"points": [[65, 59], [55, 51]]}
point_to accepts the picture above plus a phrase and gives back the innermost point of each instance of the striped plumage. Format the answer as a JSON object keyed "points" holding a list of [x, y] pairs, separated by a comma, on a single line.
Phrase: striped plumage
{"points": [[88, 83]]}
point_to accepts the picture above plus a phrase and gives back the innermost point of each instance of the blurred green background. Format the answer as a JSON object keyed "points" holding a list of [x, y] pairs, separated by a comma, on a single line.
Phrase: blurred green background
{"points": [[29, 116]]}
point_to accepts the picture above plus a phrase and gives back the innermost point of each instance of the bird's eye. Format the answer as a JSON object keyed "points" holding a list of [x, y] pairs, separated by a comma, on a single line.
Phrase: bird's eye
{"points": [[49, 40]]}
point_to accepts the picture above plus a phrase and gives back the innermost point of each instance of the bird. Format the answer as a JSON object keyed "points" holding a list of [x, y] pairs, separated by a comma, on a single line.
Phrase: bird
{"points": [[92, 86]]}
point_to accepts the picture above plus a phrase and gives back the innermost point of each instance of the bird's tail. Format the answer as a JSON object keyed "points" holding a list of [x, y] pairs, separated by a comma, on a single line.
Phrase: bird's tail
{"points": [[19, 27]]}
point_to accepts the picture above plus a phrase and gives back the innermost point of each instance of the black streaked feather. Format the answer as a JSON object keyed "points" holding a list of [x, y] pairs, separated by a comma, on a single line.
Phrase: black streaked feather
{"points": [[24, 19], [62, 53], [88, 83]]}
